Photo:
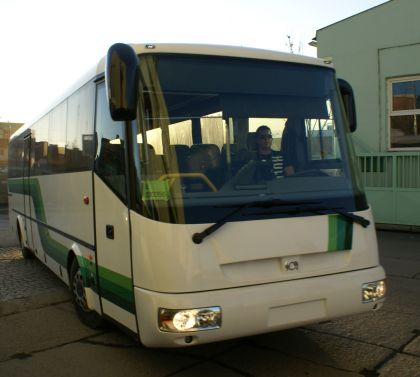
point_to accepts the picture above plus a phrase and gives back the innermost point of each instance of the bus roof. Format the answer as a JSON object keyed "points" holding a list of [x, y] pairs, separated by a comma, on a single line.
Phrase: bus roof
{"points": [[217, 50], [222, 50], [193, 49]]}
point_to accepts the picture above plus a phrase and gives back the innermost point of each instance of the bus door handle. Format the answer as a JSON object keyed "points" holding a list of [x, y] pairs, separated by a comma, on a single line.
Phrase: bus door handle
{"points": [[109, 230]]}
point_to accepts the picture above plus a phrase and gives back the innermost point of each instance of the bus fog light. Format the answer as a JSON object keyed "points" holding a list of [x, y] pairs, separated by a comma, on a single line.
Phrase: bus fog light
{"points": [[184, 320], [373, 291]]}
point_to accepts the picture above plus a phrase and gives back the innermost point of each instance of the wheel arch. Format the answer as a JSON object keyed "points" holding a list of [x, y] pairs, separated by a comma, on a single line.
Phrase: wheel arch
{"points": [[76, 254], [21, 231], [71, 256], [88, 272], [87, 268]]}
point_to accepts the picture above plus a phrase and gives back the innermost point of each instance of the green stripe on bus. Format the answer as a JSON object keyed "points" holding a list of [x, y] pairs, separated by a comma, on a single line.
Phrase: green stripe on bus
{"points": [[51, 247], [340, 233], [117, 288], [114, 287]]}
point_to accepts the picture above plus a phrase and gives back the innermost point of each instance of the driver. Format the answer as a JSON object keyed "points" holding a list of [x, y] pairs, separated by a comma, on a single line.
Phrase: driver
{"points": [[277, 164]]}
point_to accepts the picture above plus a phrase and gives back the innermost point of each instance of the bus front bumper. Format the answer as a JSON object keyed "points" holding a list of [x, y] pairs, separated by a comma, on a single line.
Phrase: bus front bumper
{"points": [[258, 309]]}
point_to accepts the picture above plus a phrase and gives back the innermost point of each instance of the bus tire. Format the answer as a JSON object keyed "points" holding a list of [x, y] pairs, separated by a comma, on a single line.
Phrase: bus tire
{"points": [[26, 253], [89, 317]]}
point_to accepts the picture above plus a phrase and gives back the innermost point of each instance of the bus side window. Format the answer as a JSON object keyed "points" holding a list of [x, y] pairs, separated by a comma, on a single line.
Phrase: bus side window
{"points": [[109, 160]]}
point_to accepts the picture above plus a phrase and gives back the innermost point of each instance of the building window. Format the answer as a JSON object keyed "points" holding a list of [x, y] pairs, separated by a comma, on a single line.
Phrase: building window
{"points": [[404, 112]]}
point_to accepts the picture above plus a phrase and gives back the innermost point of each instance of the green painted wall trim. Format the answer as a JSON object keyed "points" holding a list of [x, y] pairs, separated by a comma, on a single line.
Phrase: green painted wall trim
{"points": [[340, 233]]}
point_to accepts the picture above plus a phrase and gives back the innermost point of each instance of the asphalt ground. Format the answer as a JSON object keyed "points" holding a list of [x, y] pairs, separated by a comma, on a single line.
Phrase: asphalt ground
{"points": [[40, 334]]}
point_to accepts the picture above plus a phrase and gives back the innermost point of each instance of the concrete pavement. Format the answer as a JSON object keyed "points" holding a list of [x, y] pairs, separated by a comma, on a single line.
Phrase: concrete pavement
{"points": [[40, 334]]}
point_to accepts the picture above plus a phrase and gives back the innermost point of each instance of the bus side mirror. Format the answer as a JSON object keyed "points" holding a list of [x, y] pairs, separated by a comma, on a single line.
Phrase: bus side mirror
{"points": [[121, 77], [348, 101]]}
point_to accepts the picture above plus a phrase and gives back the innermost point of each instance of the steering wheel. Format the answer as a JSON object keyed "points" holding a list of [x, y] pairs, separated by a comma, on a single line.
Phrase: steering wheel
{"points": [[246, 174], [174, 176], [254, 172], [308, 173]]}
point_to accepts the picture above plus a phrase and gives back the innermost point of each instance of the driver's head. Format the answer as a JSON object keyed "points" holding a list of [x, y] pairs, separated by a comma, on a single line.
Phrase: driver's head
{"points": [[264, 139]]}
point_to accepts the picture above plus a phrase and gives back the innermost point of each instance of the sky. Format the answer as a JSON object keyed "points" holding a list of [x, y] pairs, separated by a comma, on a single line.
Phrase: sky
{"points": [[47, 45]]}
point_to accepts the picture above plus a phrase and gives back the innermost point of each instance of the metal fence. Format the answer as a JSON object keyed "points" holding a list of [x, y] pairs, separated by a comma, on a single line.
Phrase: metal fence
{"points": [[392, 182]]}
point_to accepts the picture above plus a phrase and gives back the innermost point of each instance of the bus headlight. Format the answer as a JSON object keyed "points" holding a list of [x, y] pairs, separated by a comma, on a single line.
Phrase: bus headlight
{"points": [[373, 291], [185, 320]]}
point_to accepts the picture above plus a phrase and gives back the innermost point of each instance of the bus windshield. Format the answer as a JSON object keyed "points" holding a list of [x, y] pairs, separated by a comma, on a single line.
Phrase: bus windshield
{"points": [[200, 149]]}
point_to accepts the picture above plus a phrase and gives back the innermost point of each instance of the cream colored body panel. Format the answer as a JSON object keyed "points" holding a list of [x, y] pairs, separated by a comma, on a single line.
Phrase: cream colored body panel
{"points": [[113, 254], [63, 202], [60, 196], [242, 253], [64, 211]]}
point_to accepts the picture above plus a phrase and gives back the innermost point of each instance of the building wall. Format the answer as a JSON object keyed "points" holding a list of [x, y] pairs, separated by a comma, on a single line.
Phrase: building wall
{"points": [[6, 130], [367, 49]]}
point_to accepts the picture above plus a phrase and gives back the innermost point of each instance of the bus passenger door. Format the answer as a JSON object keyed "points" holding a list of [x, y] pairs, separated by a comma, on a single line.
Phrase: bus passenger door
{"points": [[112, 217], [27, 207]]}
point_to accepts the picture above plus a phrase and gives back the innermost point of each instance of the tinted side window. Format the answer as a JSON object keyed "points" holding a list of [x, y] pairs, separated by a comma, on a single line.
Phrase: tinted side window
{"points": [[80, 140], [40, 144], [57, 139], [109, 159], [15, 157]]}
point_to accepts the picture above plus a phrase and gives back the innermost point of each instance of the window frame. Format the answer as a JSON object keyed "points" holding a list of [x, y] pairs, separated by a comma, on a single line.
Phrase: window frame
{"points": [[392, 113]]}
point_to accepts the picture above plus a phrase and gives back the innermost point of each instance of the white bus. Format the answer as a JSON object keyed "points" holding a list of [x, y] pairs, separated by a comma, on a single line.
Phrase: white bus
{"points": [[142, 190]]}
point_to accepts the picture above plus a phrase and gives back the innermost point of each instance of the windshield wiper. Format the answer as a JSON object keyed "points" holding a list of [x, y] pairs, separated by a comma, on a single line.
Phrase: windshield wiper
{"points": [[321, 210], [348, 215], [199, 237]]}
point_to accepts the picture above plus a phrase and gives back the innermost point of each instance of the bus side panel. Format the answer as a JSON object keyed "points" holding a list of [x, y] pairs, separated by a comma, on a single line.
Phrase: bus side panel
{"points": [[61, 221], [59, 202], [19, 212], [114, 256]]}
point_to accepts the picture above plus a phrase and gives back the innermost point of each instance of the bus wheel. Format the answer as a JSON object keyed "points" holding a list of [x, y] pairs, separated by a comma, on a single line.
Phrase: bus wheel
{"points": [[87, 316], [26, 253]]}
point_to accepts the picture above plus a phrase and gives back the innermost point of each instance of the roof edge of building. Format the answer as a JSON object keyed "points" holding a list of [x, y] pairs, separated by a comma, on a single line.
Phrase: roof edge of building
{"points": [[355, 15]]}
